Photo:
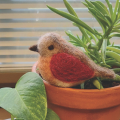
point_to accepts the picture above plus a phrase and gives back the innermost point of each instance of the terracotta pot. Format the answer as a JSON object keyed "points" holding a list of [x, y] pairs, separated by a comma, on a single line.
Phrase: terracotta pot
{"points": [[79, 104]]}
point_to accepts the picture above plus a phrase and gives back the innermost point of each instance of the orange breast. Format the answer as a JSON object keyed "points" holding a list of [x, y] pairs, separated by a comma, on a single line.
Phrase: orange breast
{"points": [[44, 69]]}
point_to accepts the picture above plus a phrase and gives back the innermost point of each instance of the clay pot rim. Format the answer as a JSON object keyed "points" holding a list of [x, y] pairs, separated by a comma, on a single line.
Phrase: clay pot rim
{"points": [[90, 98], [86, 90]]}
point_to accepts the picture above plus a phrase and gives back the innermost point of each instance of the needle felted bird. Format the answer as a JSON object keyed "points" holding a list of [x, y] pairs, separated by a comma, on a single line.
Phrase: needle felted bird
{"points": [[64, 65]]}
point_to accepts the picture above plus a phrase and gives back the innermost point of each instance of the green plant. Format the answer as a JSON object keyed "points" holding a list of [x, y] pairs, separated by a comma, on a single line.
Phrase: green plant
{"points": [[97, 45], [27, 101]]}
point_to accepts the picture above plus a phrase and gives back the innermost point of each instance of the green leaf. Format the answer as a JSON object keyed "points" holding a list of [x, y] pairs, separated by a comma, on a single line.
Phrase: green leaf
{"points": [[117, 20], [83, 32], [51, 115], [78, 41], [93, 57], [99, 44], [85, 4], [117, 27], [27, 100], [104, 7], [98, 11], [115, 10], [110, 7], [93, 12], [92, 46], [114, 35], [116, 70], [108, 19], [109, 61], [99, 7], [119, 11], [114, 64], [92, 36], [89, 4], [114, 55], [116, 30], [101, 12], [83, 39], [70, 32], [72, 18], [113, 44], [105, 65], [97, 84], [104, 22], [117, 50], [69, 8], [116, 46], [98, 35]]}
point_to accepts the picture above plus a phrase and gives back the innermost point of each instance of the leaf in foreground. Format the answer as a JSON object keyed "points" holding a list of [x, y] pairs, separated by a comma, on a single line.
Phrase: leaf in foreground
{"points": [[51, 115], [27, 100]]}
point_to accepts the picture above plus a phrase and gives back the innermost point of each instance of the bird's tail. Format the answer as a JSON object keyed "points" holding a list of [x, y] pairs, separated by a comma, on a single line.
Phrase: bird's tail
{"points": [[106, 73], [103, 72]]}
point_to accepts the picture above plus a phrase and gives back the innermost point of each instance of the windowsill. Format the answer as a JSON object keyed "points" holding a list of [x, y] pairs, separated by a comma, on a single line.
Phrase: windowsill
{"points": [[15, 69], [11, 75]]}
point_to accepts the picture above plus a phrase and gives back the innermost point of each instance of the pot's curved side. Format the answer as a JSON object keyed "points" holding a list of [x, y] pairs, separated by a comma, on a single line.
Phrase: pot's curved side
{"points": [[77, 104], [66, 113]]}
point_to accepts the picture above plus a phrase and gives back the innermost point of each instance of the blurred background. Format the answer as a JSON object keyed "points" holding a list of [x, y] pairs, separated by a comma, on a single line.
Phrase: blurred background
{"points": [[22, 22]]}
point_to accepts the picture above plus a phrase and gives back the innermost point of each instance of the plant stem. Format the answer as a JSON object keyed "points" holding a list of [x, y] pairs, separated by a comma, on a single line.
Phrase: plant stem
{"points": [[99, 44]]}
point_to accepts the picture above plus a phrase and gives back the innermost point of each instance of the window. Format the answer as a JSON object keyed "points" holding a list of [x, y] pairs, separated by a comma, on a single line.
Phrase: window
{"points": [[22, 22]]}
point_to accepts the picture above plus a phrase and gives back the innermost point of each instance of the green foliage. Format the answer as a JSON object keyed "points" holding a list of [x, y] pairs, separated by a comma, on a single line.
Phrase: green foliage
{"points": [[72, 18], [27, 101], [94, 42], [51, 115], [96, 82]]}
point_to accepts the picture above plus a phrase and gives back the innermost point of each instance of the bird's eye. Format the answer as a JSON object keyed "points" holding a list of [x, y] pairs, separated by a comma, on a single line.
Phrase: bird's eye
{"points": [[51, 47]]}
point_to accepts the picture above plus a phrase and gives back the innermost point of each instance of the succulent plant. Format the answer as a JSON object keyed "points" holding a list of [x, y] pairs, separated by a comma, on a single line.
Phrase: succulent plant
{"points": [[97, 44]]}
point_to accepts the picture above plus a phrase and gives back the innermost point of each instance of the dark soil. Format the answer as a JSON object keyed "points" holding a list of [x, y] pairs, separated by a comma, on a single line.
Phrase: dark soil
{"points": [[106, 84]]}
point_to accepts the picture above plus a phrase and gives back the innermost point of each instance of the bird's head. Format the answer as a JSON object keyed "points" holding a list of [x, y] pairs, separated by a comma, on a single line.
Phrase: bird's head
{"points": [[49, 44]]}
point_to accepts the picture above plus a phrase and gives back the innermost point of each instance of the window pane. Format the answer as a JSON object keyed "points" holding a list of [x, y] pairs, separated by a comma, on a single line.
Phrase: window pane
{"points": [[22, 22]]}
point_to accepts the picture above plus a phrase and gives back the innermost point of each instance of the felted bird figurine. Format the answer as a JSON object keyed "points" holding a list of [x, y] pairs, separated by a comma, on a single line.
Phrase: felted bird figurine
{"points": [[64, 65]]}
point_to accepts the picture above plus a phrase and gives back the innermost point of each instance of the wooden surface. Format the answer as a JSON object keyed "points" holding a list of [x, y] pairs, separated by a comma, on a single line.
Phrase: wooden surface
{"points": [[10, 77], [4, 114]]}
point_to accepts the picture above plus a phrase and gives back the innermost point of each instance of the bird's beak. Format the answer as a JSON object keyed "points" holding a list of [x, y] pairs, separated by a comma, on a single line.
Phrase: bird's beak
{"points": [[33, 48]]}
